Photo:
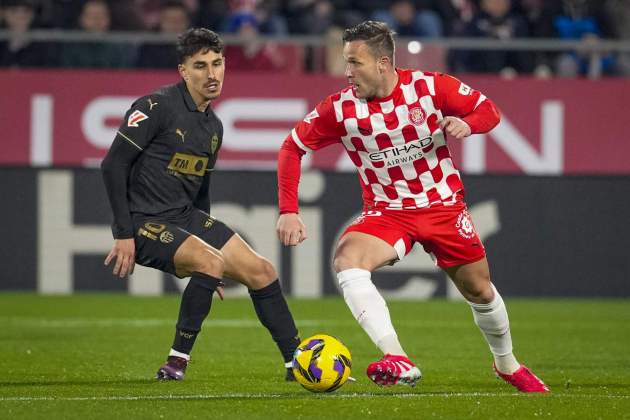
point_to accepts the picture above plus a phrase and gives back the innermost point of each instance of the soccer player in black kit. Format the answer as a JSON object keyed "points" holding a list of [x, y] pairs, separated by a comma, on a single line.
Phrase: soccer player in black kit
{"points": [[157, 176]]}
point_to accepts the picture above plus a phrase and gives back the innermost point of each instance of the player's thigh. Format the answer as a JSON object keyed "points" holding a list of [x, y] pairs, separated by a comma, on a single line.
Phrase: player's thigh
{"points": [[245, 265], [157, 243], [242, 263], [195, 255], [448, 234], [373, 240], [450, 237]]}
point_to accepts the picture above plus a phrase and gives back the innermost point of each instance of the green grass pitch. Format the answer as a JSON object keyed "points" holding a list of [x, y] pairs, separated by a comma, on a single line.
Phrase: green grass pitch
{"points": [[94, 356]]}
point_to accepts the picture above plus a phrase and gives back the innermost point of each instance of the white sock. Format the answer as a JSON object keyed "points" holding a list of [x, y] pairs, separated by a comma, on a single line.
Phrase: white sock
{"points": [[492, 320], [369, 309], [179, 354]]}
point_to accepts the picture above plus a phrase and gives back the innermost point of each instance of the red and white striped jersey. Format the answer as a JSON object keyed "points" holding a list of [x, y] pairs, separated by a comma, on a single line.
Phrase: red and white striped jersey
{"points": [[395, 142]]}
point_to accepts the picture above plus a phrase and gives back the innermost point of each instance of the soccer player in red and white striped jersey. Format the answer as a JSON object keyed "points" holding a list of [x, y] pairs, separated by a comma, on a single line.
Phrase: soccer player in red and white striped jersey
{"points": [[394, 124]]}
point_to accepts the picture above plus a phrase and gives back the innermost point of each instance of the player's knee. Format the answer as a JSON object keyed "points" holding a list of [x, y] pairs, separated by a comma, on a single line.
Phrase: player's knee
{"points": [[264, 274], [342, 261], [478, 288], [209, 263]]}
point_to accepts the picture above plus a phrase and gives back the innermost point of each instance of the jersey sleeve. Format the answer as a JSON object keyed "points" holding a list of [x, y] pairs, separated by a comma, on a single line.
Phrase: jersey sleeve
{"points": [[318, 129], [143, 121], [141, 124], [457, 99], [289, 172]]}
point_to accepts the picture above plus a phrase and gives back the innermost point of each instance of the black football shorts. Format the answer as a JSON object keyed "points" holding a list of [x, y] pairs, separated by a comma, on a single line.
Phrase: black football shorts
{"points": [[157, 240]]}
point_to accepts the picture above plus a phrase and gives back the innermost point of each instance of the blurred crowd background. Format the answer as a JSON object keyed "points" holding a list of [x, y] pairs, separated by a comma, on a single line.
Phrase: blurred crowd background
{"points": [[263, 33]]}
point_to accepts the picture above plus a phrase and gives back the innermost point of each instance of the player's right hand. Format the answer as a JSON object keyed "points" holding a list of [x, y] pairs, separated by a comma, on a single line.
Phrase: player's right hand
{"points": [[124, 250], [290, 228]]}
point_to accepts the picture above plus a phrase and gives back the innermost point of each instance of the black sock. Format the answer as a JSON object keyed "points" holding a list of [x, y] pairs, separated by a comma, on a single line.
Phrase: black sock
{"points": [[274, 314], [194, 308]]}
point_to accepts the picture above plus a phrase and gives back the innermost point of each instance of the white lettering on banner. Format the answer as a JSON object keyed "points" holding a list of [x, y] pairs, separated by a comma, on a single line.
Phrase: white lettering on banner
{"points": [[549, 160], [306, 258], [264, 109], [421, 284], [59, 240], [514, 144], [41, 130], [95, 115]]}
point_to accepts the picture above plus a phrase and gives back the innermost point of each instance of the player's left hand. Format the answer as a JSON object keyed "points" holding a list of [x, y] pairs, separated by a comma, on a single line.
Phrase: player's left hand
{"points": [[455, 127], [124, 252]]}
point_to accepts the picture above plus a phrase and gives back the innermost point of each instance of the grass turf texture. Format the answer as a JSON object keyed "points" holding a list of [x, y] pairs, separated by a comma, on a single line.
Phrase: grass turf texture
{"points": [[94, 356]]}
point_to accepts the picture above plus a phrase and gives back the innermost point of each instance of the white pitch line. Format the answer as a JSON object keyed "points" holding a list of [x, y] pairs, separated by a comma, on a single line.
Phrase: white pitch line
{"points": [[294, 396]]}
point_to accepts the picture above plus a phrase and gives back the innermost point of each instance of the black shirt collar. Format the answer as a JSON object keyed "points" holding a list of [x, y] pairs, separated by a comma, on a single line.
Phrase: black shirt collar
{"points": [[190, 103]]}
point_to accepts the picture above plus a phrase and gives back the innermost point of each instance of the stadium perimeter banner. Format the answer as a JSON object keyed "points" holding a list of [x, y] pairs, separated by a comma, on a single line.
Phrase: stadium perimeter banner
{"points": [[545, 236], [52, 118]]}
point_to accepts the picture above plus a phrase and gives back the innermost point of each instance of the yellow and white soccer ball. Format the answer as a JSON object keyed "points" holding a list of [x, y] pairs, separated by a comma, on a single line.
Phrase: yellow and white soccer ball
{"points": [[321, 363]]}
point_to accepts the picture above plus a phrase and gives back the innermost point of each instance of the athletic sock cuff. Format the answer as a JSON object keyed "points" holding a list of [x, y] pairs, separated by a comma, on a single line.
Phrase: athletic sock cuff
{"points": [[174, 352], [352, 275], [267, 291], [496, 302], [206, 281]]}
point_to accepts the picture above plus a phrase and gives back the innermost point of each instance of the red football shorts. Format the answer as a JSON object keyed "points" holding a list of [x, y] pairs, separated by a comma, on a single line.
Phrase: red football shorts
{"points": [[447, 233]]}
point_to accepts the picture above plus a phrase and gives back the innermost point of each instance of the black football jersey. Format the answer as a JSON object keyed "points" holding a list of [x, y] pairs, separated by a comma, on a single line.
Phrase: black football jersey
{"points": [[178, 147]]}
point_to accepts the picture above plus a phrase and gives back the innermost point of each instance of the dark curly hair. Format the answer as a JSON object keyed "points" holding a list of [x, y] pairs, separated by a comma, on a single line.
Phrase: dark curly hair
{"points": [[198, 39], [377, 35]]}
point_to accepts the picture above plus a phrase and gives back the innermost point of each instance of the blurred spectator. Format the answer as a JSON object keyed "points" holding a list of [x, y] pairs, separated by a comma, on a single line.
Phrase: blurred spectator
{"points": [[211, 14], [174, 19], [269, 18], [318, 16], [313, 17], [126, 15], [455, 14], [151, 10], [263, 14], [18, 50], [494, 20], [253, 54], [539, 15], [407, 20], [619, 10], [63, 14], [587, 21], [95, 19]]}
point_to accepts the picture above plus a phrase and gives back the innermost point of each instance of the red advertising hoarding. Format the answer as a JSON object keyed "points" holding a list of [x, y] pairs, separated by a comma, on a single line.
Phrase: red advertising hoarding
{"points": [[68, 118]]}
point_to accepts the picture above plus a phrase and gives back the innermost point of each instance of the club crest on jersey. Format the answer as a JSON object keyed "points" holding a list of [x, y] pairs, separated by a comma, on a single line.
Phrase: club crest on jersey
{"points": [[464, 225], [417, 116], [135, 117], [214, 143]]}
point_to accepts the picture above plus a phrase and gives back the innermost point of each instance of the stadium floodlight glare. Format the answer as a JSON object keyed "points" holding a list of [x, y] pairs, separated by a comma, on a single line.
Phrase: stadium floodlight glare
{"points": [[414, 47]]}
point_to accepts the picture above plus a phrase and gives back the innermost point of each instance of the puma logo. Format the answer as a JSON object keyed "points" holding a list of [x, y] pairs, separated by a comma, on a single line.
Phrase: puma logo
{"points": [[151, 104], [180, 133]]}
